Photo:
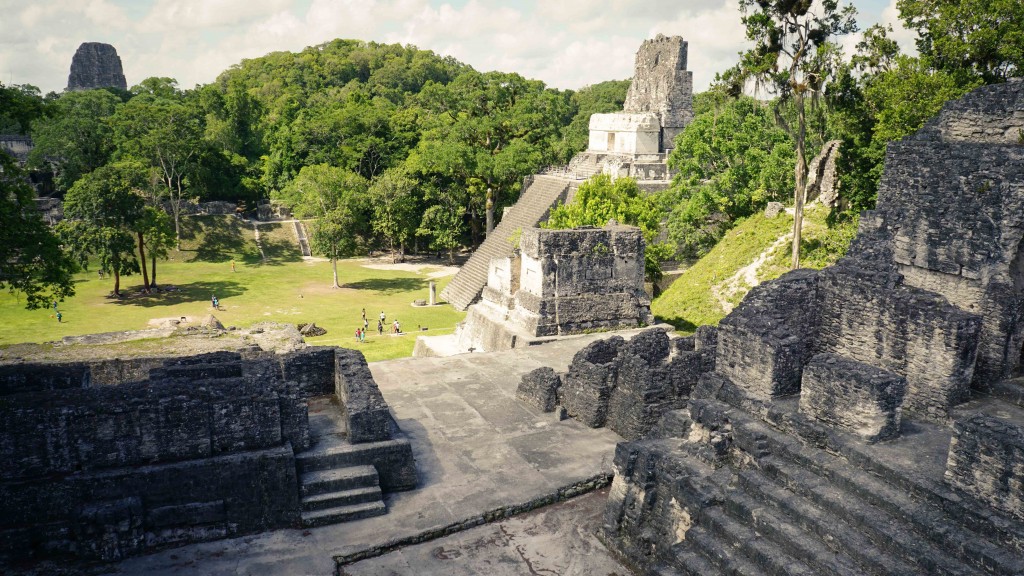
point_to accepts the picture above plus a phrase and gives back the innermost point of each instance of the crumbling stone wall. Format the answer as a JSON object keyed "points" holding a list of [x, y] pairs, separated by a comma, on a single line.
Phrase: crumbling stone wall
{"points": [[203, 447], [624, 385]]}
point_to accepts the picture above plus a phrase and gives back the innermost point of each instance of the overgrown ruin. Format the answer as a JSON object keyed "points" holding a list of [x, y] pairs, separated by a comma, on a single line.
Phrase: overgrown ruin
{"points": [[559, 282], [862, 419], [110, 459], [633, 143]]}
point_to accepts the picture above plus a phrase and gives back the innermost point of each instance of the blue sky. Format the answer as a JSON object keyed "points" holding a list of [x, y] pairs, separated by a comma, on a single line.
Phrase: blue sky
{"points": [[565, 43]]}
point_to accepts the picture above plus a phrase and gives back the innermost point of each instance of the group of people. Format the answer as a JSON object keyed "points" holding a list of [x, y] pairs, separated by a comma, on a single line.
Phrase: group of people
{"points": [[215, 302], [396, 328]]}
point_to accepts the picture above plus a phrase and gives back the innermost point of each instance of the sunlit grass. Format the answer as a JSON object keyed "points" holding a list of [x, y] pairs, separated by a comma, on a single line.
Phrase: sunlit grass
{"points": [[284, 288]]}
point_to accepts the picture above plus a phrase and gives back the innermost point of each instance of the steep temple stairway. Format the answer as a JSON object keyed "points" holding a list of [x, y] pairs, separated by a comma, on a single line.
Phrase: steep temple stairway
{"points": [[539, 196], [760, 501]]}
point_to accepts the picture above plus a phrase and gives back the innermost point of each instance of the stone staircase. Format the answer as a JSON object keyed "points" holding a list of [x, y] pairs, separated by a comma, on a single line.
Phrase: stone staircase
{"points": [[300, 233], [340, 494], [533, 205], [338, 481], [760, 501]]}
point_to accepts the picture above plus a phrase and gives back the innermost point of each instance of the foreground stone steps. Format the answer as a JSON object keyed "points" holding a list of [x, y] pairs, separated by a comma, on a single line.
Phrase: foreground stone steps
{"points": [[342, 498], [794, 492], [338, 479], [533, 205], [834, 484], [338, 514], [342, 454], [332, 491]]}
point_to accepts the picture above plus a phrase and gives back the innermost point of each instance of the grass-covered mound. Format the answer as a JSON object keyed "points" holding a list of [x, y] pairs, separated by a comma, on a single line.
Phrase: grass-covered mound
{"points": [[282, 288], [702, 293]]}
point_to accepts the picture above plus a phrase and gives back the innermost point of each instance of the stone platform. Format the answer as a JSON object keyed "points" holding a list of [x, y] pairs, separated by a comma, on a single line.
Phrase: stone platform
{"points": [[480, 454]]}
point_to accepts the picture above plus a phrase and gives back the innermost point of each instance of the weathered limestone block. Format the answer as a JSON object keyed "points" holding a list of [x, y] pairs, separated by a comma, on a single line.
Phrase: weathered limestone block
{"points": [[986, 460], [650, 345], [642, 392], [366, 412], [661, 84], [866, 316], [539, 388], [31, 377], [764, 343], [111, 530], [852, 395], [587, 386], [312, 368]]}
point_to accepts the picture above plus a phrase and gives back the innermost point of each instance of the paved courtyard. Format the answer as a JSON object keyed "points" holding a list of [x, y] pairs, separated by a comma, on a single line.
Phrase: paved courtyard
{"points": [[479, 452]]}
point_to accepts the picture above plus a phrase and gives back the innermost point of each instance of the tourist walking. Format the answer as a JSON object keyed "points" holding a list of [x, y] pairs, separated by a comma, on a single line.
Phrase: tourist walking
{"points": [[380, 328], [382, 319], [59, 317], [362, 335]]}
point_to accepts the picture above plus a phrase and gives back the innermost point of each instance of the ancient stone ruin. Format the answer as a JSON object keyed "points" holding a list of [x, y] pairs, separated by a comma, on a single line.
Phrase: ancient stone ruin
{"points": [[114, 458], [634, 143], [96, 65], [560, 282], [865, 418], [625, 385]]}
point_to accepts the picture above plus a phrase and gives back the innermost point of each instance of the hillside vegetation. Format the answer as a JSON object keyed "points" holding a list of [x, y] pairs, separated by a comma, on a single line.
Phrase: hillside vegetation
{"points": [[706, 291]]}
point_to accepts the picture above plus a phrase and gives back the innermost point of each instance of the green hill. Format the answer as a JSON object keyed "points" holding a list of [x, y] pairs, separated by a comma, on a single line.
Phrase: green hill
{"points": [[755, 250]]}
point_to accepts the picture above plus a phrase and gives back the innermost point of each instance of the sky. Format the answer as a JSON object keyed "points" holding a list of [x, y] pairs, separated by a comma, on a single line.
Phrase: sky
{"points": [[565, 43]]}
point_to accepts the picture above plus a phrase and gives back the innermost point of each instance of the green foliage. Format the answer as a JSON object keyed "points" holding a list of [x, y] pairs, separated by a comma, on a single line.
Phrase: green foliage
{"points": [[32, 264], [732, 159], [601, 98], [77, 138], [600, 199], [690, 301], [979, 38], [882, 96], [336, 199], [102, 211], [20, 106], [395, 214]]}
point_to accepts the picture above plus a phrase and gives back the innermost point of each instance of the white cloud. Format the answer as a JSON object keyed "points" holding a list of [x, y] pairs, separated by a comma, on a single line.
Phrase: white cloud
{"points": [[178, 15], [904, 37], [566, 44]]}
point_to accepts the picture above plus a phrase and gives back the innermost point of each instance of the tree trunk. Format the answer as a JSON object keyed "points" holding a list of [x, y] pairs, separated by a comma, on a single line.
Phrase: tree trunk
{"points": [[334, 266], [490, 212], [152, 280], [117, 282], [142, 261], [801, 178]]}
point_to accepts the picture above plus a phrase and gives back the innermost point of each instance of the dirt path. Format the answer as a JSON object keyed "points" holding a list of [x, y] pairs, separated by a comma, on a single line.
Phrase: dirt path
{"points": [[746, 277]]}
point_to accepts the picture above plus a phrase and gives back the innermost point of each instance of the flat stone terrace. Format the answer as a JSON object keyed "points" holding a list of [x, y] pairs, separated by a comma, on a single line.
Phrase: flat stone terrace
{"points": [[480, 455]]}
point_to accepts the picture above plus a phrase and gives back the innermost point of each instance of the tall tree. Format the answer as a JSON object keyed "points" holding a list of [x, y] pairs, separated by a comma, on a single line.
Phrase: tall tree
{"points": [[102, 210], [327, 194], [166, 134], [31, 260], [394, 209], [790, 57], [77, 138], [982, 38]]}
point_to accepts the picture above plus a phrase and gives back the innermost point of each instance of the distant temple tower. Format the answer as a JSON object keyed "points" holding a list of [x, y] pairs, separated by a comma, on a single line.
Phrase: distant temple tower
{"points": [[96, 65], [662, 85], [659, 102]]}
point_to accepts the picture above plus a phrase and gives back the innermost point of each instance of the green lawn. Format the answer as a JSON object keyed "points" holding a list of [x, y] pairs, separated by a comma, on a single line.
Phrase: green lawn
{"points": [[282, 289]]}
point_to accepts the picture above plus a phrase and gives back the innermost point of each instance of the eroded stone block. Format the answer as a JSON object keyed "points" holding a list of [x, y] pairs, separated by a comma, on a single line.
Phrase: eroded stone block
{"points": [[854, 396], [539, 388]]}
